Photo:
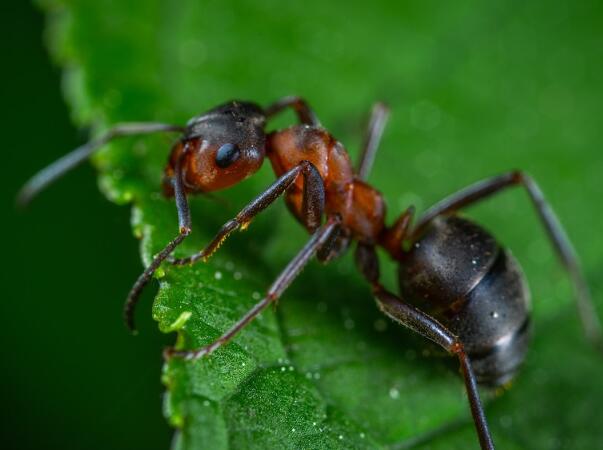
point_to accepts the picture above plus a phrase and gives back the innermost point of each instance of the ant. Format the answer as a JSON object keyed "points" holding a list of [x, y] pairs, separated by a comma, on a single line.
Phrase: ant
{"points": [[459, 287]]}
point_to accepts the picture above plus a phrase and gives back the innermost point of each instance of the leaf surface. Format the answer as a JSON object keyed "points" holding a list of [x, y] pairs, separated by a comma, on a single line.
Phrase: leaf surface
{"points": [[475, 89]]}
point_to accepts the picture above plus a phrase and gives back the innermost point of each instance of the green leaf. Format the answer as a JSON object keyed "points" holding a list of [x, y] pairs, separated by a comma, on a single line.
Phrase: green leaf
{"points": [[476, 89]]}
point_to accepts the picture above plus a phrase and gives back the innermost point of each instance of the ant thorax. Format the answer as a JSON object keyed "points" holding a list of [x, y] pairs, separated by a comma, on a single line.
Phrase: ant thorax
{"points": [[360, 206]]}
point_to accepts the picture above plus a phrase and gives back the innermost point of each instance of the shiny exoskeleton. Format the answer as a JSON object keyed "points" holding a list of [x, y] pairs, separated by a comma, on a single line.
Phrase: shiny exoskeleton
{"points": [[458, 286], [459, 273]]}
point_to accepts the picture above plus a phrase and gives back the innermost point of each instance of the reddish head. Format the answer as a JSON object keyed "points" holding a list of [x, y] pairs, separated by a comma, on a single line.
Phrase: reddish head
{"points": [[222, 147]]}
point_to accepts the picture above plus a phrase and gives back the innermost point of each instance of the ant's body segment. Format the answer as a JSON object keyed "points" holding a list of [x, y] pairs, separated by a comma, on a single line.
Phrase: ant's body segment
{"points": [[458, 287]]}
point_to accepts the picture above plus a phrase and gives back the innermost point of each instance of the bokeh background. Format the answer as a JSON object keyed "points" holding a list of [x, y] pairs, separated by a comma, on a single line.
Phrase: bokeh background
{"points": [[475, 90], [72, 376]]}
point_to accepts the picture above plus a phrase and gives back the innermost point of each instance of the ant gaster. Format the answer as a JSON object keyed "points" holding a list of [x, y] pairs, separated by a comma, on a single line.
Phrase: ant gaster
{"points": [[458, 286]]}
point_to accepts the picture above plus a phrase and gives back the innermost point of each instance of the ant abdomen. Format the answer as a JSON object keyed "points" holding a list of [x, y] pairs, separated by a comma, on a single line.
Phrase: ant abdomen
{"points": [[457, 271], [494, 322]]}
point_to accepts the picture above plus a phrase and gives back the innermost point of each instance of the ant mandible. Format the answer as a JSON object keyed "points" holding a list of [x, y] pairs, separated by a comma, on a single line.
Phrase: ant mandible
{"points": [[461, 289]]}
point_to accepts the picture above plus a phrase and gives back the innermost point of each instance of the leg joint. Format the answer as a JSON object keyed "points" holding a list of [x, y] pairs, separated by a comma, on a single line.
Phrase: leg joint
{"points": [[457, 348], [520, 176]]}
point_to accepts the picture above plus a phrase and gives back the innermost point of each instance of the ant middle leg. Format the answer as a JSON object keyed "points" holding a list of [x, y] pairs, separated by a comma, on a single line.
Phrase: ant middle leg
{"points": [[374, 131], [184, 229], [305, 114], [312, 206], [555, 231], [321, 237]]}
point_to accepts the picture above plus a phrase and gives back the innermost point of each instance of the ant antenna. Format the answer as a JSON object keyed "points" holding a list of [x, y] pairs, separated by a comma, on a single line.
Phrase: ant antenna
{"points": [[57, 169]]}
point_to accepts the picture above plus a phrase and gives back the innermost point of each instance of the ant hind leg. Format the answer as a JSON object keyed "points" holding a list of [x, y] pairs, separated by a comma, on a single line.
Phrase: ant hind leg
{"points": [[554, 230]]}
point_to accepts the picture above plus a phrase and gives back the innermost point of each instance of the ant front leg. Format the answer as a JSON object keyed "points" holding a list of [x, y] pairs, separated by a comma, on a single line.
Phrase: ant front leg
{"points": [[321, 237], [312, 206], [184, 225], [415, 319], [303, 111], [71, 160], [557, 235]]}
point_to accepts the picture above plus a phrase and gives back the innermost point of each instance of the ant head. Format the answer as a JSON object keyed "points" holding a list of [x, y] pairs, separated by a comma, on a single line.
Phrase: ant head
{"points": [[226, 145]]}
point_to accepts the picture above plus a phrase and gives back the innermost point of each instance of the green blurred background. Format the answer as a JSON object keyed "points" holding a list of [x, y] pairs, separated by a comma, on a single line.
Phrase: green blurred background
{"points": [[72, 376], [476, 90]]}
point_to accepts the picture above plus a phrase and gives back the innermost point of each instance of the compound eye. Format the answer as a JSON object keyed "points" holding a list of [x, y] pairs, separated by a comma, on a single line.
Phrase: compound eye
{"points": [[226, 155]]}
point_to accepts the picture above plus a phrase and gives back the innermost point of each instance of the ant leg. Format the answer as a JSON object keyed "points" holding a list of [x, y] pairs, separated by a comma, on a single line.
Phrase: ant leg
{"points": [[304, 113], [282, 282], [312, 206], [374, 131], [393, 237], [338, 243], [367, 262], [561, 243], [411, 317], [184, 225], [61, 166], [415, 319]]}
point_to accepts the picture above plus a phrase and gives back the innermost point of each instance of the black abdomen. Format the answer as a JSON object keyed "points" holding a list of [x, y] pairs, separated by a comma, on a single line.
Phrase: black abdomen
{"points": [[458, 273]]}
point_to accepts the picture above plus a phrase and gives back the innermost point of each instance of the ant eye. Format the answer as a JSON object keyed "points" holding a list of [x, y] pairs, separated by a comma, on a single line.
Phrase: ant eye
{"points": [[226, 155]]}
